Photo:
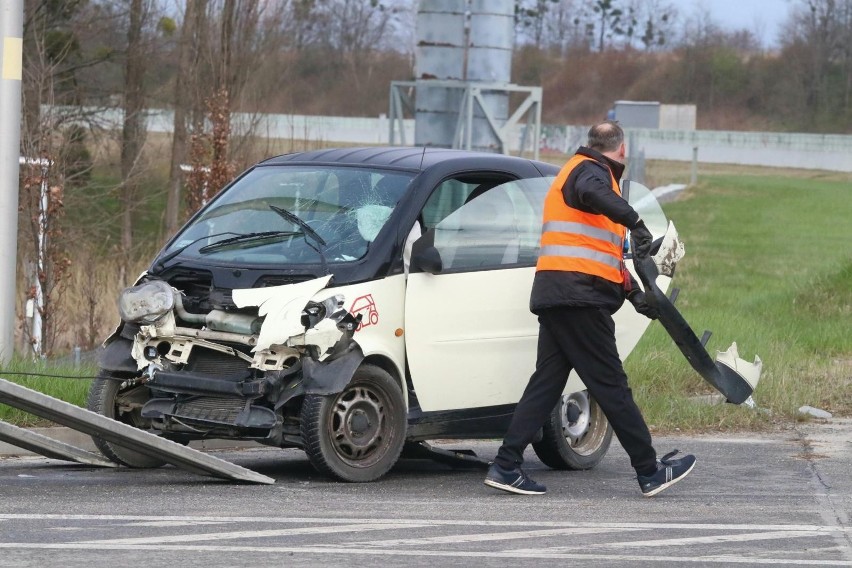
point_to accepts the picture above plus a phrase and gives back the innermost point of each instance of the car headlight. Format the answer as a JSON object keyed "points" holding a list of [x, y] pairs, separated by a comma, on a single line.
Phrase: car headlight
{"points": [[146, 303]]}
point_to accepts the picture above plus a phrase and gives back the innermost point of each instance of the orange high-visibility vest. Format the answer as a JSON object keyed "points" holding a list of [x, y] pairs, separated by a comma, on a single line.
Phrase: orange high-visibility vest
{"points": [[575, 241]]}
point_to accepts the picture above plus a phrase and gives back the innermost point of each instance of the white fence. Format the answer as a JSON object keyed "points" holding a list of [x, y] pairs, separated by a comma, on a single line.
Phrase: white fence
{"points": [[831, 152]]}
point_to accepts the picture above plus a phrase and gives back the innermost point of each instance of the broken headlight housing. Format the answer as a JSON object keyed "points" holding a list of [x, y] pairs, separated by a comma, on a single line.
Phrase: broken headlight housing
{"points": [[315, 312], [146, 303]]}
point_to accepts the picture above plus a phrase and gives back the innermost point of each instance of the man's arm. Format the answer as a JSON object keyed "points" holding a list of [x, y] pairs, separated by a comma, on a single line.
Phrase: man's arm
{"points": [[593, 190]]}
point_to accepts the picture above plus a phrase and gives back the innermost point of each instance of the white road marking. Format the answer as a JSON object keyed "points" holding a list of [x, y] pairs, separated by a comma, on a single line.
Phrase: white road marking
{"points": [[777, 535], [481, 537], [436, 522], [402, 547], [172, 523], [303, 550], [360, 527]]}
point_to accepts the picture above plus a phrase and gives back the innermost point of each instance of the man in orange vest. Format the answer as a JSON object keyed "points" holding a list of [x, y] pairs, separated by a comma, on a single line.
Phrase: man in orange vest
{"points": [[580, 282]]}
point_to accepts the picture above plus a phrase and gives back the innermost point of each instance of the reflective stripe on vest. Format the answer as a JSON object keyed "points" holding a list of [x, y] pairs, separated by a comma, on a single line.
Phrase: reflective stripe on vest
{"points": [[575, 241], [580, 252], [581, 229]]}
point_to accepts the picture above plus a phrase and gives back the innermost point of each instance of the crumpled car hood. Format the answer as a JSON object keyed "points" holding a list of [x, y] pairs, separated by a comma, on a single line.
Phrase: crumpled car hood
{"points": [[282, 307]]}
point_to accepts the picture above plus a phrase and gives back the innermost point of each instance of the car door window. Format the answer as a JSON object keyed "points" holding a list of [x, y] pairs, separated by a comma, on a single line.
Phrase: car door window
{"points": [[497, 227], [643, 201], [446, 198]]}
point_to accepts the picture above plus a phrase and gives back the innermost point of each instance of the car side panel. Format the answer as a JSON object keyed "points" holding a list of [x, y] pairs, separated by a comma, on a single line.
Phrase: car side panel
{"points": [[380, 304], [470, 337]]}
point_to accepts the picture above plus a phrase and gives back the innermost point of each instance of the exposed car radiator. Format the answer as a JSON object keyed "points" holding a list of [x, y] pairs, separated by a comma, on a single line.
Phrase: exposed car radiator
{"points": [[208, 362], [210, 409]]}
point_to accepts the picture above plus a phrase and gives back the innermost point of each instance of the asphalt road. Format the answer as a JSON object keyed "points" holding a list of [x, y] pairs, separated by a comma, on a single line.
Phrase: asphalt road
{"points": [[754, 500]]}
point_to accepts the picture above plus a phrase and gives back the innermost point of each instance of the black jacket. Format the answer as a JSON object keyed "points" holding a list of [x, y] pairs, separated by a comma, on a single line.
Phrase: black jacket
{"points": [[589, 189]]}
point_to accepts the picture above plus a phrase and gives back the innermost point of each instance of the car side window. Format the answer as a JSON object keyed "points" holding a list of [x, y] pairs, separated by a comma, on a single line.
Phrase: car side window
{"points": [[497, 227], [446, 198]]}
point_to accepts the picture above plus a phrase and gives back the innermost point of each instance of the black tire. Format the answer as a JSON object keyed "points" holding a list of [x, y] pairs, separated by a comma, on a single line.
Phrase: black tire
{"points": [[356, 435], [106, 397], [576, 435]]}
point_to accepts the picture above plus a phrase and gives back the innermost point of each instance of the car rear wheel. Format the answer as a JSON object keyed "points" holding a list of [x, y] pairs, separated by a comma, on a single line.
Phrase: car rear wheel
{"points": [[576, 435], [356, 435], [121, 401]]}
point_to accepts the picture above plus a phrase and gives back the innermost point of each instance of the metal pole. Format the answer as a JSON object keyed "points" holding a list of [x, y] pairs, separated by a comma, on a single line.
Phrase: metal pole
{"points": [[391, 114], [633, 152], [537, 141], [694, 178], [11, 49]]}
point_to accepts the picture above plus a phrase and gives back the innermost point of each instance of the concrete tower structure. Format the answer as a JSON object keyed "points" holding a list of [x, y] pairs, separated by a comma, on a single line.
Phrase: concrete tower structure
{"points": [[460, 97]]}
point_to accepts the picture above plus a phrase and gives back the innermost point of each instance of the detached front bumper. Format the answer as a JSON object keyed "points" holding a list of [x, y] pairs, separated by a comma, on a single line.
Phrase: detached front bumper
{"points": [[728, 374]]}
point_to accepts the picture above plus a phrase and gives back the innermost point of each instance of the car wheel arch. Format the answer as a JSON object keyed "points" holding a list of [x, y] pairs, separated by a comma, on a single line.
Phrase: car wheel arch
{"points": [[387, 365]]}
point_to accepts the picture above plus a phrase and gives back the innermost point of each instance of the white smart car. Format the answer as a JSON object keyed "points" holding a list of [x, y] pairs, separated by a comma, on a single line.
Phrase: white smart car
{"points": [[352, 303]]}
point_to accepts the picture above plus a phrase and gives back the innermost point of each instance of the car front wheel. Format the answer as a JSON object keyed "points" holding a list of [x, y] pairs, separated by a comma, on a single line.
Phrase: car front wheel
{"points": [[357, 434], [122, 401], [576, 435]]}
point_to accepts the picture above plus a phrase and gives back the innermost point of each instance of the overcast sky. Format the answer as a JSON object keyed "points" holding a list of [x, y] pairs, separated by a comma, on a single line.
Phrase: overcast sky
{"points": [[763, 17]]}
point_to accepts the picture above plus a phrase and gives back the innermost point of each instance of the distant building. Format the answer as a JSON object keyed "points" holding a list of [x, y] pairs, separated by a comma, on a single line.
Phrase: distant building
{"points": [[651, 114]]}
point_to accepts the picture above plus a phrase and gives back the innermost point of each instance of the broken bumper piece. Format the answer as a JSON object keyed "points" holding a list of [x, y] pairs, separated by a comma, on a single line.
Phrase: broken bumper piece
{"points": [[728, 374]]}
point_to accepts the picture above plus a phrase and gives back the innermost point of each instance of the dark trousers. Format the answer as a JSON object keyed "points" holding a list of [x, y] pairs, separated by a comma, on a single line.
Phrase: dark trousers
{"points": [[581, 339]]}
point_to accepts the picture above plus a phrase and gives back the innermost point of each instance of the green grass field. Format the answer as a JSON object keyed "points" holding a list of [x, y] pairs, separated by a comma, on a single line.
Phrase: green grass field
{"points": [[70, 390], [769, 265]]}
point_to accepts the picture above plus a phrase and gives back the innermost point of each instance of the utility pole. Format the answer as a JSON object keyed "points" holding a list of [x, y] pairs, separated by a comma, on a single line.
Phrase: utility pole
{"points": [[11, 63]]}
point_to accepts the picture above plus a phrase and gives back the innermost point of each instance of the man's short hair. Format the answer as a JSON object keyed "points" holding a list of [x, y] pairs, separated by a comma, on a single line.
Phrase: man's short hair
{"points": [[606, 136]]}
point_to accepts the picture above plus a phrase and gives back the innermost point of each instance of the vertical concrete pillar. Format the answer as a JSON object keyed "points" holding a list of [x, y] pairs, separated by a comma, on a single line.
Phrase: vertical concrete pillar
{"points": [[11, 49]]}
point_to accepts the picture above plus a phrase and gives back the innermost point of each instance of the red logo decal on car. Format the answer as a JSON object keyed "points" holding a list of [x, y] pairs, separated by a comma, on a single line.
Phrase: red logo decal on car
{"points": [[366, 306]]}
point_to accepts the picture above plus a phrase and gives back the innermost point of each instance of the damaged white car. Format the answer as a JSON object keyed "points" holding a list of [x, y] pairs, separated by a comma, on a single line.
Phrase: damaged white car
{"points": [[352, 303]]}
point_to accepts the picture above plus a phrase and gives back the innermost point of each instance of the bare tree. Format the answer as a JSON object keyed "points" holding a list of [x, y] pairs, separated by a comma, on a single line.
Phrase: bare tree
{"points": [[211, 164], [817, 46], [566, 28], [184, 94], [134, 129], [531, 17], [353, 30], [845, 13], [612, 20], [655, 23], [54, 144]]}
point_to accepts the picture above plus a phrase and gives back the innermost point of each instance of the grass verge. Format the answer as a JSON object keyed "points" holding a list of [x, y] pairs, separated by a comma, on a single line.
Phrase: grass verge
{"points": [[767, 265], [72, 390]]}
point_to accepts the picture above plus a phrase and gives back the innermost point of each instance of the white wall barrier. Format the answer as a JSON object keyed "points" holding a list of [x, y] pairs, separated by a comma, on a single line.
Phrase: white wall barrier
{"points": [[831, 152]]}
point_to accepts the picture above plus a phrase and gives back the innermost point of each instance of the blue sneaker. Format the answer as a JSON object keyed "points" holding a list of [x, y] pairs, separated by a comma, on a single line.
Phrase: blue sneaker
{"points": [[669, 471], [513, 481]]}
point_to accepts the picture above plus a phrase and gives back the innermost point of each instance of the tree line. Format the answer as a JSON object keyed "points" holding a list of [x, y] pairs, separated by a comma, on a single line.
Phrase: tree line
{"points": [[207, 59]]}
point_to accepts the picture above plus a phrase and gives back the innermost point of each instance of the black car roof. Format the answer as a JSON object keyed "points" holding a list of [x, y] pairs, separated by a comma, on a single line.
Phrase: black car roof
{"points": [[409, 158]]}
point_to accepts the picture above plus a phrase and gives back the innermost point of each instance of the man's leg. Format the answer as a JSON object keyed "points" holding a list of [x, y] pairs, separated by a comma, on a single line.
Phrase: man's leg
{"points": [[540, 396], [587, 335]]}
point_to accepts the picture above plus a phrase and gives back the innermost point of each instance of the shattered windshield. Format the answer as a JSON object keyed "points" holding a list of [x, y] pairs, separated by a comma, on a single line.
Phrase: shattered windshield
{"points": [[346, 207]]}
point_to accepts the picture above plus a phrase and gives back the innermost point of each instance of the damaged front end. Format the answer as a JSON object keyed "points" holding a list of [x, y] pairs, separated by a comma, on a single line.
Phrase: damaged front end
{"points": [[239, 368]]}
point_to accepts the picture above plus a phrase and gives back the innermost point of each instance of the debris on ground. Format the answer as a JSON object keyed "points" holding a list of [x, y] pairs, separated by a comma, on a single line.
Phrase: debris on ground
{"points": [[814, 412]]}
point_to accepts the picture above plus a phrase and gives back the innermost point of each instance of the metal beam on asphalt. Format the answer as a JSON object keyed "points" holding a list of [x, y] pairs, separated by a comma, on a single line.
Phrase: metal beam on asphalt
{"points": [[123, 435], [48, 447]]}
